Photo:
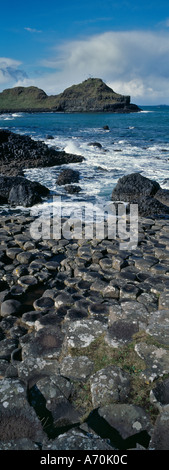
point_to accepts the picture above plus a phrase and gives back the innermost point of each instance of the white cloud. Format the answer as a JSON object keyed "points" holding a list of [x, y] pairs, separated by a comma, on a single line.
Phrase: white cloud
{"points": [[33, 30], [10, 70], [132, 62]]}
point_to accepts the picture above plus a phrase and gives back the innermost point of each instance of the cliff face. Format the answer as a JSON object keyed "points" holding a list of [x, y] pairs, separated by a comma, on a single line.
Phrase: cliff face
{"points": [[92, 95]]}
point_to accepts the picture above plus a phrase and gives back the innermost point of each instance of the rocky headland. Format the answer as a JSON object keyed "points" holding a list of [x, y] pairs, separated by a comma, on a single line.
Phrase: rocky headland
{"points": [[92, 95]]}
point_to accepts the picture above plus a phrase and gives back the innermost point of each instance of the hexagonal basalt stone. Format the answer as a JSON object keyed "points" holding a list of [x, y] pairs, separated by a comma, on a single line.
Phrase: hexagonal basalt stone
{"points": [[43, 303], [129, 291], [109, 385], [18, 423], [46, 343], [76, 368], [27, 281], [12, 393], [159, 395], [121, 332], [156, 360], [127, 419], [158, 326], [159, 439], [7, 346], [63, 299], [24, 257], [10, 307], [75, 439], [19, 444], [32, 369], [83, 332]]}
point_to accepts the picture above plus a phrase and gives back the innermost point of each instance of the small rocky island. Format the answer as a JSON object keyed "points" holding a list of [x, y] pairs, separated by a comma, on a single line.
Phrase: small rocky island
{"points": [[92, 95]]}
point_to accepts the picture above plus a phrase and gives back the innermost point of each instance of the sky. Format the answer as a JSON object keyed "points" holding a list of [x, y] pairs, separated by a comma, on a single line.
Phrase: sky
{"points": [[57, 43]]}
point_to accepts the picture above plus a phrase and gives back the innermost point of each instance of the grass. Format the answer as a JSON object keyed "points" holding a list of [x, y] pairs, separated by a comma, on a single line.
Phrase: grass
{"points": [[127, 359]]}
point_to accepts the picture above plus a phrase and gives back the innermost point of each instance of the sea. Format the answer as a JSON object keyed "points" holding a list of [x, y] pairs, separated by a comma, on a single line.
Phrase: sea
{"points": [[135, 142]]}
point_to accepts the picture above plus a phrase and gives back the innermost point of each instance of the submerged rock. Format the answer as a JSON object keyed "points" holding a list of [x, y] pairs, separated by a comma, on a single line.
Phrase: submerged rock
{"points": [[67, 176]]}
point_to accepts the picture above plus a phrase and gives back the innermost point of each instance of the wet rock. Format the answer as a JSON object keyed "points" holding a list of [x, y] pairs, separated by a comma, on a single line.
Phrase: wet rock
{"points": [[128, 420], [72, 189], [67, 176], [13, 252], [109, 385], [95, 144]]}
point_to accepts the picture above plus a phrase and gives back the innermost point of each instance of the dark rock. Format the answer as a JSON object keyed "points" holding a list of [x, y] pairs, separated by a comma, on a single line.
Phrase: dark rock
{"points": [[76, 439], [138, 189], [159, 440], [121, 332], [161, 392], [72, 189], [106, 128], [95, 144], [162, 195], [76, 368], [132, 186], [20, 423], [46, 343], [49, 137], [67, 176], [20, 191], [126, 419], [109, 385], [20, 151], [10, 307]]}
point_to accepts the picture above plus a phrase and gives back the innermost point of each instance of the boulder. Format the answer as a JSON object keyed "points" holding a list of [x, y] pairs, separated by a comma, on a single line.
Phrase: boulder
{"points": [[20, 191], [127, 419], [67, 176], [138, 189]]}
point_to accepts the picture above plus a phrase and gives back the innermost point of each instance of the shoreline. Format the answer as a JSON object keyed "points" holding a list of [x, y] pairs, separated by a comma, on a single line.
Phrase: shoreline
{"points": [[81, 319]]}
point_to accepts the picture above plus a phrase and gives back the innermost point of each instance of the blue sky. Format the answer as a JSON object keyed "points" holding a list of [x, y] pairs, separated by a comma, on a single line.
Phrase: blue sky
{"points": [[55, 44]]}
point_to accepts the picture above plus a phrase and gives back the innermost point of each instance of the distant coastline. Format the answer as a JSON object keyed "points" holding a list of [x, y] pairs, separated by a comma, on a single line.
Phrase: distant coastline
{"points": [[90, 96]]}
